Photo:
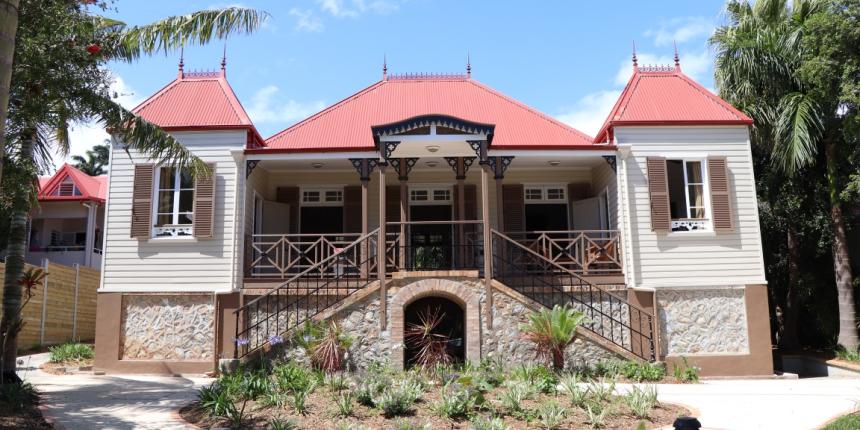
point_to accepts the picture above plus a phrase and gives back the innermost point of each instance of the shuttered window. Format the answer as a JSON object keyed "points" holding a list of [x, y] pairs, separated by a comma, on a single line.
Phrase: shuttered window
{"points": [[203, 223], [658, 191], [168, 202], [514, 206], [721, 204], [141, 206]]}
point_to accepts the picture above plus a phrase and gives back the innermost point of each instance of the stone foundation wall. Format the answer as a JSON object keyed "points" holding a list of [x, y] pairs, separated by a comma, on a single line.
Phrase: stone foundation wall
{"points": [[504, 341], [703, 321], [167, 327]]}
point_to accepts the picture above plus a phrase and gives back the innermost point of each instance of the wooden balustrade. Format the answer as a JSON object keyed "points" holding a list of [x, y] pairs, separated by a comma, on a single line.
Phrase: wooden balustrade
{"points": [[587, 252]]}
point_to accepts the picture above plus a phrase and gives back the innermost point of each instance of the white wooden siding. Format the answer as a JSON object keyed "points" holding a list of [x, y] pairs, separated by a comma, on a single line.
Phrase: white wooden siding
{"points": [[175, 265], [693, 259]]}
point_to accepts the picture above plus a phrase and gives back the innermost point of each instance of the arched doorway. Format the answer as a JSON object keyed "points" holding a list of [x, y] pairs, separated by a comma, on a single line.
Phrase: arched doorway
{"points": [[444, 319]]}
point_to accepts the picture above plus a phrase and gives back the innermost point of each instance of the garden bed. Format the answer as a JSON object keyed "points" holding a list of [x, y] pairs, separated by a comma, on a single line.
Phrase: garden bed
{"points": [[69, 358], [485, 397], [19, 408]]}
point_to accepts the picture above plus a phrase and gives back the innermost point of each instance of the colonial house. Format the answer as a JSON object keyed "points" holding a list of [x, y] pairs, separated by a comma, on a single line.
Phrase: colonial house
{"points": [[435, 191], [66, 226]]}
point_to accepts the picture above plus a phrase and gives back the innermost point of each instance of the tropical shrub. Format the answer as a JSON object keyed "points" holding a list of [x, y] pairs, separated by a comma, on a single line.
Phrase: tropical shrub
{"points": [[281, 424], [601, 389], [571, 386], [540, 377], [344, 404], [70, 352], [685, 372], [640, 372], [487, 423], [641, 400], [551, 415], [431, 347], [456, 401], [325, 344], [552, 331], [597, 414]]}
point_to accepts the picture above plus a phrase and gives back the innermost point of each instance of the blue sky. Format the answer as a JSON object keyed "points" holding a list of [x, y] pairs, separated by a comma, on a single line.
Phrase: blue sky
{"points": [[568, 59]]}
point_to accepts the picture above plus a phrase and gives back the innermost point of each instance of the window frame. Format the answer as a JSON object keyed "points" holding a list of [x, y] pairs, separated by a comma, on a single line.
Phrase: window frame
{"points": [[431, 190], [174, 229], [322, 190], [704, 224], [544, 193]]}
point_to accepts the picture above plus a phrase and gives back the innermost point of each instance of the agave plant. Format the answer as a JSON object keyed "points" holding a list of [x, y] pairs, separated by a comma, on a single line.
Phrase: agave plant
{"points": [[431, 347], [552, 331]]}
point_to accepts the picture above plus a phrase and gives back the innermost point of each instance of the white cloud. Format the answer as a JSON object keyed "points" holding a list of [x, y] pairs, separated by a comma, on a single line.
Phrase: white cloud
{"points": [[681, 30], [352, 8], [589, 112], [306, 20], [265, 107], [83, 136]]}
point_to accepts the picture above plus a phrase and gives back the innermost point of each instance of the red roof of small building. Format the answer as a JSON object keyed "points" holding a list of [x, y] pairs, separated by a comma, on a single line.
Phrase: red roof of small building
{"points": [[346, 125], [196, 100], [92, 188], [665, 96]]}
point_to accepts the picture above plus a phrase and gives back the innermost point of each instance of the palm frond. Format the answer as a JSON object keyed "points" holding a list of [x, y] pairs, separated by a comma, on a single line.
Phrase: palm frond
{"points": [[799, 128], [169, 34]]}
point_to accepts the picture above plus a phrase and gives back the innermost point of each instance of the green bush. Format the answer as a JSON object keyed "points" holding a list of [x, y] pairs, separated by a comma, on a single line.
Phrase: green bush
{"points": [[457, 402], [16, 397], [398, 399], [641, 372], [551, 415], [486, 423], [540, 377], [848, 422], [281, 424], [571, 386], [70, 352], [848, 355], [512, 398], [344, 404], [641, 400], [685, 372]]}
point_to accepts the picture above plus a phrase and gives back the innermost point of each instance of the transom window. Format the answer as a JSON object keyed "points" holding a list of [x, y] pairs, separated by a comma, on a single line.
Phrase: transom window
{"points": [[545, 193], [430, 195], [322, 197], [687, 195], [174, 211]]}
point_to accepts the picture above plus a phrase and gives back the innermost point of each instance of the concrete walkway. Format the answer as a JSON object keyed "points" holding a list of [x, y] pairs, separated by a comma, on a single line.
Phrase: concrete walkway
{"points": [[149, 402], [110, 402]]}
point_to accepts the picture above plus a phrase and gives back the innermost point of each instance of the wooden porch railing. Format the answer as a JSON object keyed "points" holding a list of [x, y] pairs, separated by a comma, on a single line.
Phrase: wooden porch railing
{"points": [[587, 252], [283, 255]]}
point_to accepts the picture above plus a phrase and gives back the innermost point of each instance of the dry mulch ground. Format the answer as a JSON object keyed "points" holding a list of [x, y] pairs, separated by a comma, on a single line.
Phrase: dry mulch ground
{"points": [[321, 414], [66, 367]]}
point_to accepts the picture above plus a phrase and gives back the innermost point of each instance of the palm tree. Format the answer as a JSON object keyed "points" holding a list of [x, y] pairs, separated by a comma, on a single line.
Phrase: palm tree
{"points": [[760, 52], [552, 331], [8, 28], [63, 35], [95, 161]]}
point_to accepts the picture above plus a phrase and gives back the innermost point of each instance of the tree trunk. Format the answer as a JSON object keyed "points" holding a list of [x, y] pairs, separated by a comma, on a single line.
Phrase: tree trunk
{"points": [[8, 29], [788, 340], [558, 359], [841, 260], [9, 325]]}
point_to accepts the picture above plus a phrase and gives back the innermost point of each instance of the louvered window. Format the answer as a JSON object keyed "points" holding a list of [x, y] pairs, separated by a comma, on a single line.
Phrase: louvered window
{"points": [[688, 205], [67, 188], [174, 203]]}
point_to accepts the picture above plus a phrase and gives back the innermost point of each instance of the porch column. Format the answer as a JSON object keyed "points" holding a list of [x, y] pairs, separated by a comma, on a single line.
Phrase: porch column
{"points": [[403, 176], [380, 251], [89, 245], [364, 167], [460, 172], [488, 243]]}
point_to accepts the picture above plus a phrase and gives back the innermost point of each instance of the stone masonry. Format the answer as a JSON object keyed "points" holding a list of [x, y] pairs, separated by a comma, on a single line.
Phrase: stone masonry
{"points": [[167, 327], [707, 321]]}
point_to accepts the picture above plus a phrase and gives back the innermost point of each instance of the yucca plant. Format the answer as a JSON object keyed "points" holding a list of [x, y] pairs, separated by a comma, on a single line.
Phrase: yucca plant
{"points": [[431, 347], [552, 331], [325, 343]]}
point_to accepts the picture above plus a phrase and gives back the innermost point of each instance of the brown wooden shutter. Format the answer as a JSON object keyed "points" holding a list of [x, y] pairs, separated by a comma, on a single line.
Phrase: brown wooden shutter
{"points": [[352, 209], [514, 207], [392, 206], [658, 191], [578, 191], [470, 196], [204, 204], [141, 206], [721, 202], [290, 196]]}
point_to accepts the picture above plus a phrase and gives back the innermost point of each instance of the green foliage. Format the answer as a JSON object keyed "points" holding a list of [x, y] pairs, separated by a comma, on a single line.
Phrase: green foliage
{"points": [[601, 389], [640, 372], [397, 399], [540, 377], [575, 391], [300, 396], [641, 400], [848, 422], [456, 401], [291, 377], [369, 387], [847, 354], [409, 425], [551, 414], [513, 397], [597, 414], [336, 381], [282, 424], [487, 423], [15, 397], [96, 160], [343, 400], [685, 372], [325, 343], [552, 331], [68, 352]]}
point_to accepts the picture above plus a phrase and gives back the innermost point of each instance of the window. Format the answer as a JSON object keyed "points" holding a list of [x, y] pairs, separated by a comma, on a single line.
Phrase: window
{"points": [[174, 203], [322, 197], [687, 195], [430, 195], [545, 193], [67, 188]]}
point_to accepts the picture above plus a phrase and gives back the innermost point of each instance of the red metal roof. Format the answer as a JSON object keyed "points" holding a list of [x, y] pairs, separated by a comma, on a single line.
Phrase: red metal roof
{"points": [[347, 124], [202, 99], [665, 96], [92, 188]]}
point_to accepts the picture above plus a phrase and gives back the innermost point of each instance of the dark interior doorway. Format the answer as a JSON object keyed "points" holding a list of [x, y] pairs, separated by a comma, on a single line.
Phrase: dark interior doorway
{"points": [[430, 246], [546, 217], [452, 325], [322, 219]]}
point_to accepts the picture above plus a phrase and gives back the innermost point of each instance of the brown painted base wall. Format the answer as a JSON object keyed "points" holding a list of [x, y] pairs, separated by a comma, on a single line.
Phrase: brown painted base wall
{"points": [[212, 333]]}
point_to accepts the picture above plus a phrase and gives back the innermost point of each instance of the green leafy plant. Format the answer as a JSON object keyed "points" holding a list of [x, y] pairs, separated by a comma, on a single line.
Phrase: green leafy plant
{"points": [[685, 372], [540, 377], [597, 413], [70, 352], [641, 400], [431, 347], [325, 343], [282, 424], [551, 415], [846, 354], [487, 423], [572, 387], [336, 381], [299, 398], [291, 377], [395, 401], [369, 388], [409, 425], [640, 372], [17, 396], [456, 402], [552, 331], [349, 426], [513, 397], [609, 368], [343, 400], [601, 389]]}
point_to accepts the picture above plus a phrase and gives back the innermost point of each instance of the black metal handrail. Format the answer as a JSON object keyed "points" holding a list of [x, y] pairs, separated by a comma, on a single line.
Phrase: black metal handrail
{"points": [[611, 317], [306, 295]]}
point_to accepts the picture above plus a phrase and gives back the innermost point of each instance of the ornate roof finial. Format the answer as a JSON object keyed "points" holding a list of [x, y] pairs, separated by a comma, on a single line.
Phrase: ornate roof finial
{"points": [[384, 67], [677, 59], [468, 65], [635, 60], [181, 62], [224, 61]]}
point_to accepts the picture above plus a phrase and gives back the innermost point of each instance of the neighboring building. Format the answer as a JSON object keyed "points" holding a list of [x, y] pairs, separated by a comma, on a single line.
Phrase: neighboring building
{"points": [[66, 227], [491, 209]]}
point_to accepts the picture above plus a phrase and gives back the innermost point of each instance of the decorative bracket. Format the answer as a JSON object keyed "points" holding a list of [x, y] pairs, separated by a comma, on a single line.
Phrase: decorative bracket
{"points": [[249, 167], [454, 162], [499, 165], [410, 163], [612, 161], [480, 148], [388, 148], [364, 167]]}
